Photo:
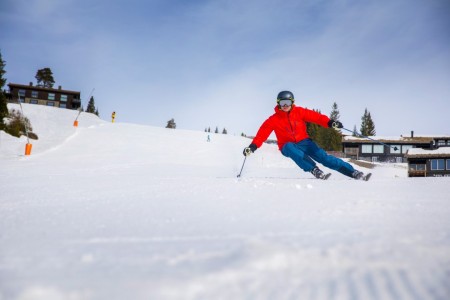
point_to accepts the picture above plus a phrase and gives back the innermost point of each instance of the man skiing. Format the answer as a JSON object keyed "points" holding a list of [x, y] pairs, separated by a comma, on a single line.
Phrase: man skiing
{"points": [[289, 123]]}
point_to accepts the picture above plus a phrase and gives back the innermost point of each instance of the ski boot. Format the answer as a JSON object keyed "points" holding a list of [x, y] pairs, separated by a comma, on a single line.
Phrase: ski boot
{"points": [[319, 174], [358, 175]]}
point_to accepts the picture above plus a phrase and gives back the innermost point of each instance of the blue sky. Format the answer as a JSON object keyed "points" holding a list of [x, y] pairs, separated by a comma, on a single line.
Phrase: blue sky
{"points": [[222, 63]]}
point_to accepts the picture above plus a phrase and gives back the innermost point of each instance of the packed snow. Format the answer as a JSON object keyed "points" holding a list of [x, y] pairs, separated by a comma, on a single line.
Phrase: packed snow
{"points": [[124, 211]]}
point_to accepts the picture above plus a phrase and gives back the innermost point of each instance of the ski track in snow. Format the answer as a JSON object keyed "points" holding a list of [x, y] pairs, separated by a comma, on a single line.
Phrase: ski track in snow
{"points": [[116, 211]]}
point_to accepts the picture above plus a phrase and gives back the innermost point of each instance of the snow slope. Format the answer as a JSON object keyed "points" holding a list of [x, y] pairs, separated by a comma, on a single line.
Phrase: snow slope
{"points": [[123, 211]]}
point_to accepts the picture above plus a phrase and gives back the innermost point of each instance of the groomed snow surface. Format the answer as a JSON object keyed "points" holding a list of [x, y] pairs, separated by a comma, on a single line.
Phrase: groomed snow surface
{"points": [[124, 211]]}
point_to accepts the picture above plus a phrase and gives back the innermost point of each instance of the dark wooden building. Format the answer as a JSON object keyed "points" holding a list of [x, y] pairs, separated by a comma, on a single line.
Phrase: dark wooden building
{"points": [[396, 149], [43, 96], [428, 163]]}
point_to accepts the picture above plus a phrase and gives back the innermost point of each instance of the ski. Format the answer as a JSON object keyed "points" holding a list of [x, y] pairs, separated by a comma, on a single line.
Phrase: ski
{"points": [[366, 177], [326, 176]]}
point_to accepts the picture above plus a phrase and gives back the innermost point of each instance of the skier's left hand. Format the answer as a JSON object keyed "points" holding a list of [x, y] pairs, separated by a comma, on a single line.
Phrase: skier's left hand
{"points": [[335, 124]]}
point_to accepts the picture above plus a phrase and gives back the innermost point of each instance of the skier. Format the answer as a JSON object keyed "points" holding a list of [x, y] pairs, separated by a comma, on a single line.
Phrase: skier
{"points": [[289, 123]]}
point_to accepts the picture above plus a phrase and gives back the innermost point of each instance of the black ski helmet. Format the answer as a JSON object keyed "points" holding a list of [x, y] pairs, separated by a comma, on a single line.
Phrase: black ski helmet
{"points": [[285, 95]]}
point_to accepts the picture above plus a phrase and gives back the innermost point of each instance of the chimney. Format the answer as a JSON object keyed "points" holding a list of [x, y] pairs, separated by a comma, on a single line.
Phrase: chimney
{"points": [[59, 87], [31, 84], [412, 133]]}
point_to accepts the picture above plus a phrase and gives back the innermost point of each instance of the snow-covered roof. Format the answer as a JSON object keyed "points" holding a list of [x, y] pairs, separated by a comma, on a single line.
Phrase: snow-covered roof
{"points": [[41, 88], [419, 152], [435, 136], [400, 139]]}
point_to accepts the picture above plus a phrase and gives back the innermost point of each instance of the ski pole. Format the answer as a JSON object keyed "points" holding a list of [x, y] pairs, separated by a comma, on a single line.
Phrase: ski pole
{"points": [[366, 137], [239, 175]]}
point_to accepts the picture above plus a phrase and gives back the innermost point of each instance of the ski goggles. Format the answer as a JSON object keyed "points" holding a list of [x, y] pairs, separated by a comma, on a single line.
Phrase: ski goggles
{"points": [[285, 102]]}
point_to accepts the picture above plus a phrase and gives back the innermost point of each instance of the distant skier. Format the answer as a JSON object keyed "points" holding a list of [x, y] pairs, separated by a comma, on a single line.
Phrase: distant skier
{"points": [[289, 123], [208, 139], [113, 116]]}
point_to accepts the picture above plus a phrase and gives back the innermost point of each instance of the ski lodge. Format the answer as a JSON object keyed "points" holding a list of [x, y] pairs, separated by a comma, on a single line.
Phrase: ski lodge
{"points": [[429, 163], [43, 96], [394, 150]]}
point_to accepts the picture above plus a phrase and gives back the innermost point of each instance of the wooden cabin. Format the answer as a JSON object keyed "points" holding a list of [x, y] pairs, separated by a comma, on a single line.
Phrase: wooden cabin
{"points": [[428, 162], [394, 148], [43, 96]]}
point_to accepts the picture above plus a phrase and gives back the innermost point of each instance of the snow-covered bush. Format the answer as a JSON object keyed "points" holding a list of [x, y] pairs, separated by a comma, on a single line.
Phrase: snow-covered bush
{"points": [[17, 125]]}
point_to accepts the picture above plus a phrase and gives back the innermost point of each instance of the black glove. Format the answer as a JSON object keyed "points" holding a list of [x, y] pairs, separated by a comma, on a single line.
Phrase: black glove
{"points": [[250, 149], [335, 124]]}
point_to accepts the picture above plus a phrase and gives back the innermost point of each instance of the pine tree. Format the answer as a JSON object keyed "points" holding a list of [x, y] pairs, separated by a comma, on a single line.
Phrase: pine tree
{"points": [[91, 105], [364, 123], [317, 133], [44, 78], [313, 130], [335, 115], [367, 124], [217, 130], [171, 124], [332, 137], [224, 131], [354, 131], [3, 107], [370, 126], [327, 138]]}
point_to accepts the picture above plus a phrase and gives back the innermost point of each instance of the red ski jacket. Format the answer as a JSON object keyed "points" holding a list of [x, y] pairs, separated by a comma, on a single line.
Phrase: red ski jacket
{"points": [[289, 126]]}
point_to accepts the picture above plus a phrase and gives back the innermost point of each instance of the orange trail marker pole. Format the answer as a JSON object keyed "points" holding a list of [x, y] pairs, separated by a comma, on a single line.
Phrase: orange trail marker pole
{"points": [[28, 147]]}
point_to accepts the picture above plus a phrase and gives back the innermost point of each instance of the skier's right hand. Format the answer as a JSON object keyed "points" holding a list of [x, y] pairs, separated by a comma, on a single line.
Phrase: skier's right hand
{"points": [[250, 149]]}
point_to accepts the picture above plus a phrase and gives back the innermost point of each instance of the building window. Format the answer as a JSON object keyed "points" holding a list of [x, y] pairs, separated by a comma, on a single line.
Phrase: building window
{"points": [[378, 149], [441, 143], [51, 96], [366, 148], [34, 94], [437, 164], [417, 167], [22, 96], [393, 147], [448, 164], [50, 103], [351, 151], [33, 101], [63, 98], [62, 105], [405, 148]]}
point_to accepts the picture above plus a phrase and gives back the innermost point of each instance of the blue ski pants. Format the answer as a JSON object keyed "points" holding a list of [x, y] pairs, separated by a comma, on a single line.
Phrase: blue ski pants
{"points": [[306, 152]]}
